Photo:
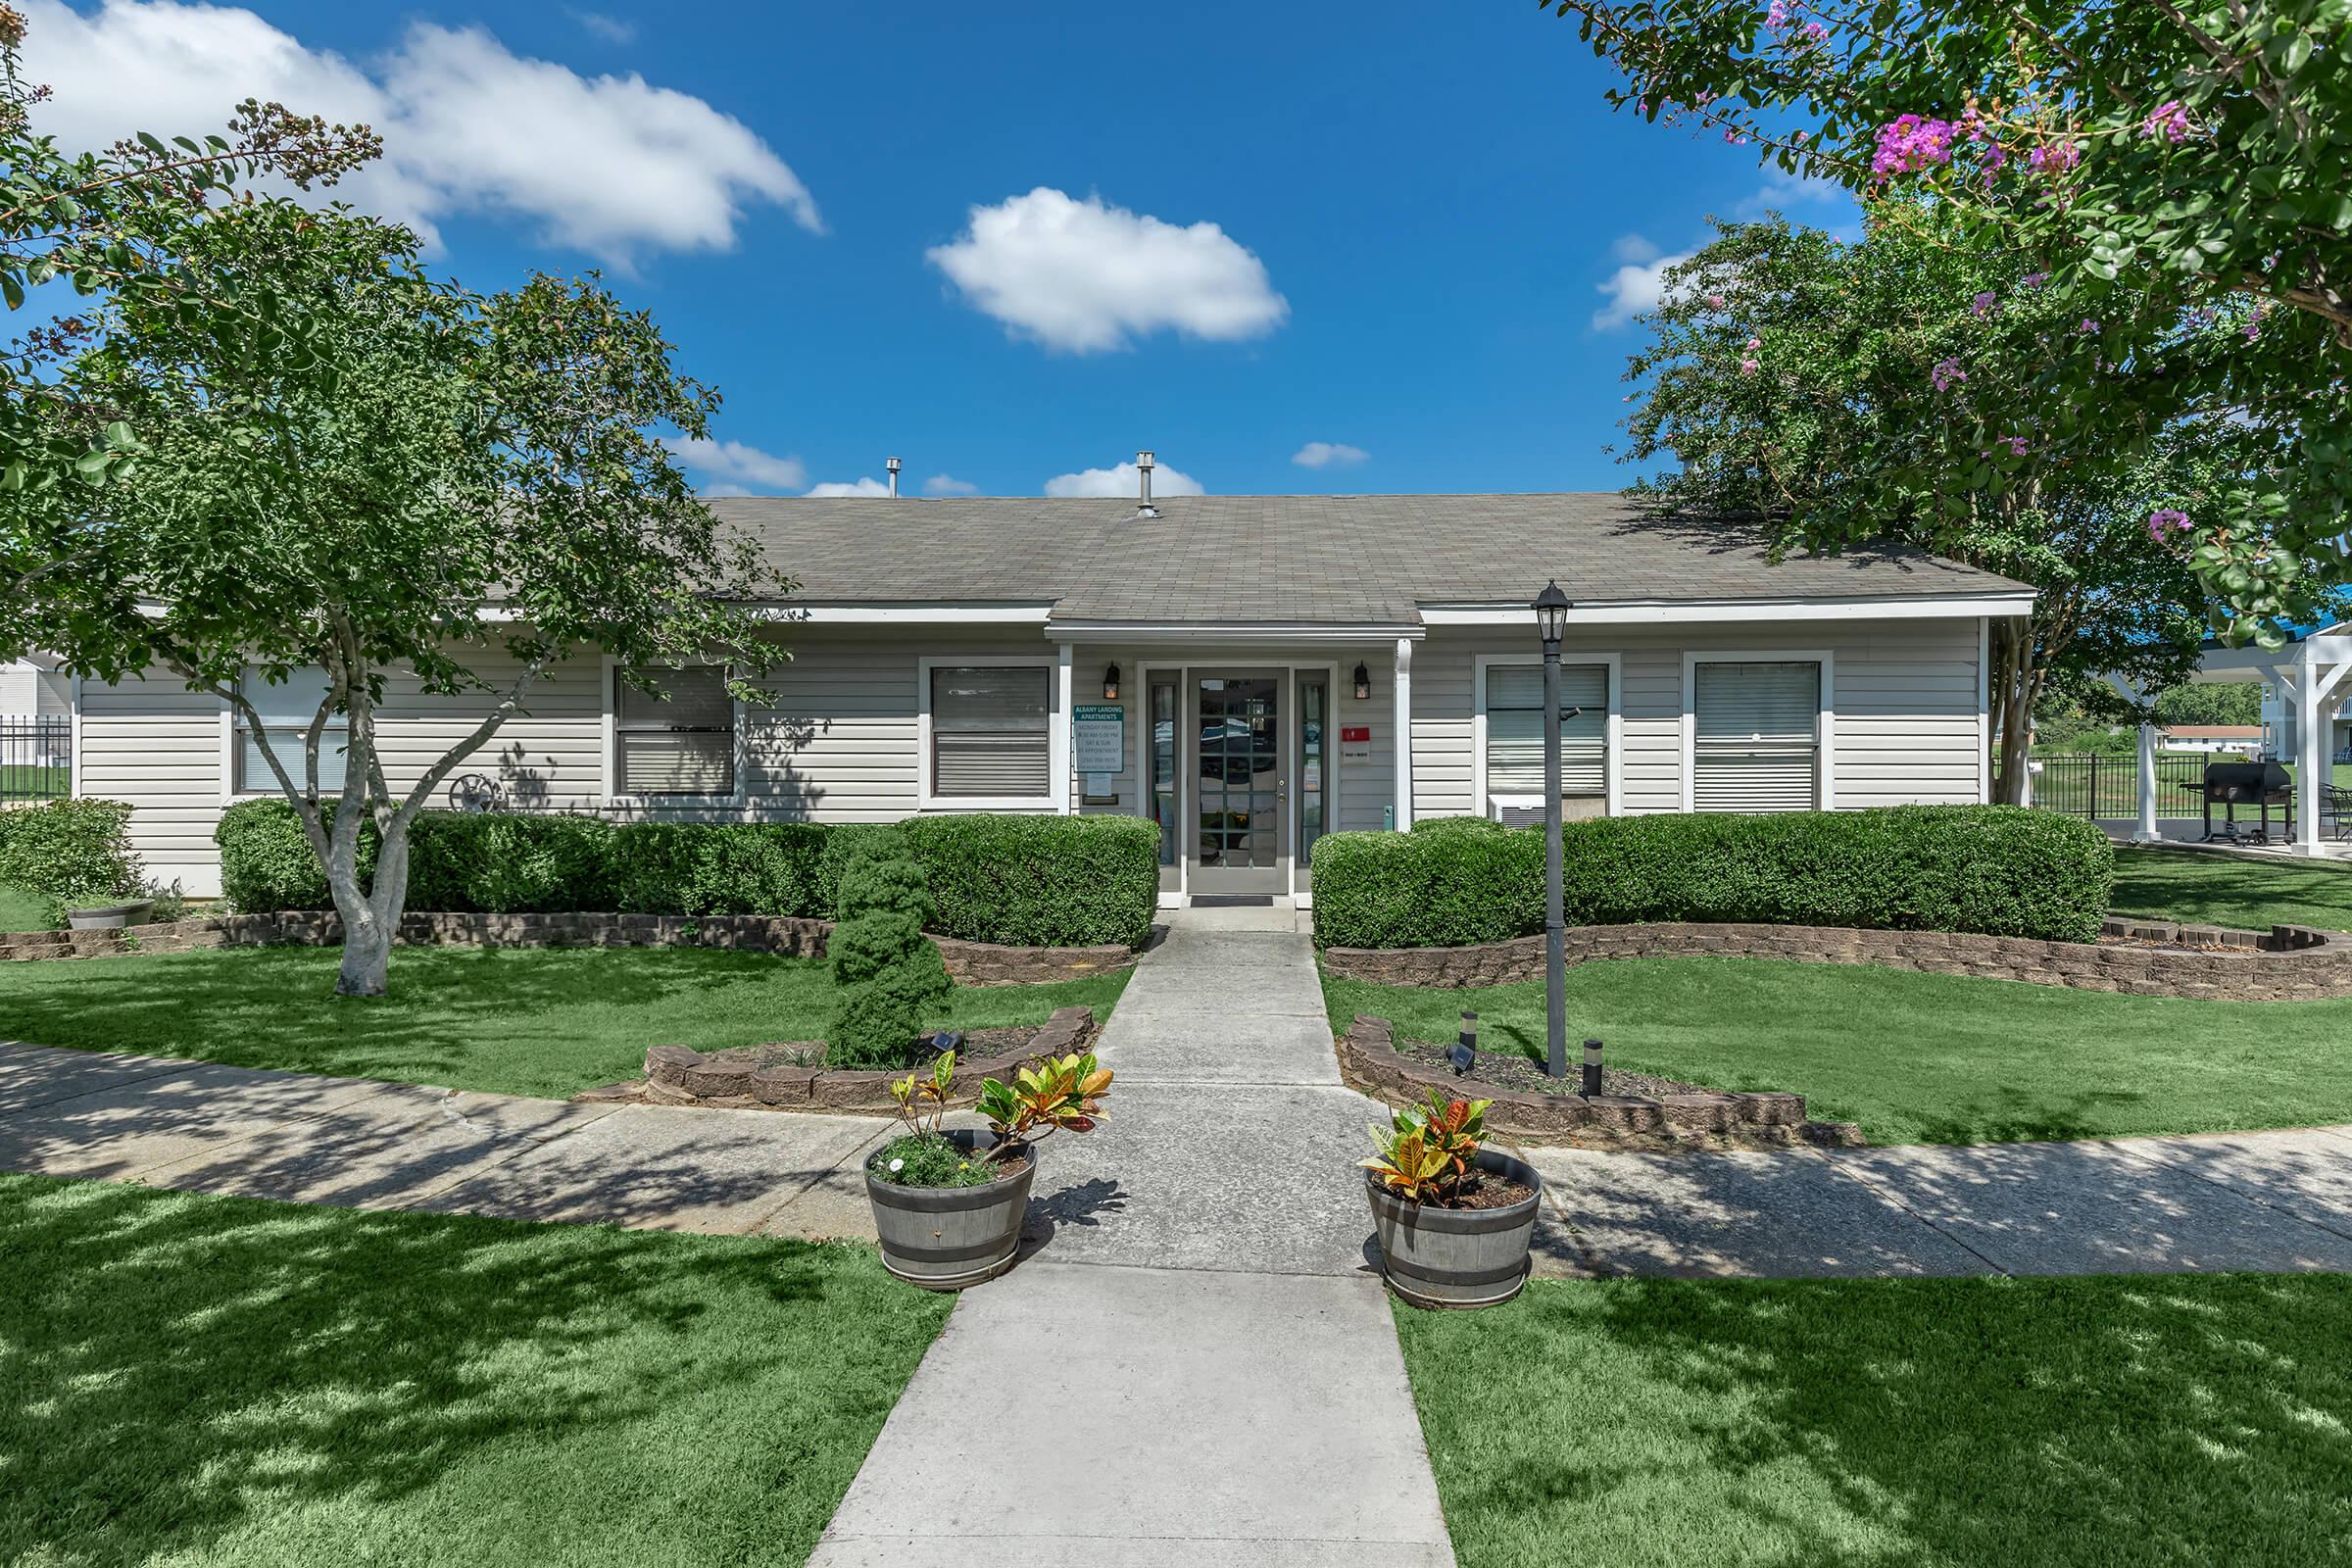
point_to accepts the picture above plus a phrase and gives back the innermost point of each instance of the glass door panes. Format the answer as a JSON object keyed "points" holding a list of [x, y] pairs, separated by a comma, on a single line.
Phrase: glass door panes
{"points": [[1240, 783], [1163, 767], [1315, 765]]}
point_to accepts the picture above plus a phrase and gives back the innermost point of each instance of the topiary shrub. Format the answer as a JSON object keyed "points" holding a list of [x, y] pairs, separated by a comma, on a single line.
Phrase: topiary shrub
{"points": [[76, 848], [890, 976], [1039, 881], [1993, 869]]}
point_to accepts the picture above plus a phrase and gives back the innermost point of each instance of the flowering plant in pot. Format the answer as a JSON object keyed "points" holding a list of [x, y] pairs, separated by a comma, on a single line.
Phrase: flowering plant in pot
{"points": [[1455, 1220], [949, 1205]]}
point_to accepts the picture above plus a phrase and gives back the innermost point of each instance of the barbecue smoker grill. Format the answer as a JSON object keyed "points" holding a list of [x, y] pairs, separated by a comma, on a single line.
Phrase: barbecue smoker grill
{"points": [[2231, 785]]}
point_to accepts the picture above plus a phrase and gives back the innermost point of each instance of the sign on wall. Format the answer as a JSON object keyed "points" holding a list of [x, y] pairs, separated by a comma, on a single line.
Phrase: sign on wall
{"points": [[1355, 743], [1098, 733]]}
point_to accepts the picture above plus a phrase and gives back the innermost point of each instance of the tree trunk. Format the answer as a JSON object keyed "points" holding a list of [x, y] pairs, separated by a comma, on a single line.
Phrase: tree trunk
{"points": [[2013, 690], [371, 919]]}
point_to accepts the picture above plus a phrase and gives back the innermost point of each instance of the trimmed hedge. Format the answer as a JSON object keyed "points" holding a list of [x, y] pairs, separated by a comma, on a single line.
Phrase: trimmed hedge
{"points": [[1998, 870], [80, 847], [1025, 881]]}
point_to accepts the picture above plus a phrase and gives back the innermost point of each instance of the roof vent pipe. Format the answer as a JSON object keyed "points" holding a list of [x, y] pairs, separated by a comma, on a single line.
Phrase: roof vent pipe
{"points": [[1143, 475], [891, 464]]}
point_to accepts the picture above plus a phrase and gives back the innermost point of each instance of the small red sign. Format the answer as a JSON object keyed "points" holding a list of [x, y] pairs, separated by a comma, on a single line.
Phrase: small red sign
{"points": [[1355, 732]]}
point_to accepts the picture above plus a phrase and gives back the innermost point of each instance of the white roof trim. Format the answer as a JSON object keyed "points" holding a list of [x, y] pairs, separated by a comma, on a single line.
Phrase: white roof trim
{"points": [[1131, 631], [1658, 611]]}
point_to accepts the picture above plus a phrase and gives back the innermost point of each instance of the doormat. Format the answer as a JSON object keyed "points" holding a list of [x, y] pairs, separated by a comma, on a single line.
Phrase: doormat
{"points": [[1233, 900]]}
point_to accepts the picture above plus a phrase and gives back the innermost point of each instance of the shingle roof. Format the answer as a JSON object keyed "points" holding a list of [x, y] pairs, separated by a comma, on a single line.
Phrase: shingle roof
{"points": [[1321, 560]]}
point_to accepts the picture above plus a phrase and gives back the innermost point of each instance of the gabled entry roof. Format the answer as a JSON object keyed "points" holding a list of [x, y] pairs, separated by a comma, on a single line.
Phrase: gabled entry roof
{"points": [[1336, 560]]}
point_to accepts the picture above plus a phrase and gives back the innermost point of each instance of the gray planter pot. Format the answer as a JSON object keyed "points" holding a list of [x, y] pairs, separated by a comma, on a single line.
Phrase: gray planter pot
{"points": [[948, 1237], [1455, 1258], [109, 916]]}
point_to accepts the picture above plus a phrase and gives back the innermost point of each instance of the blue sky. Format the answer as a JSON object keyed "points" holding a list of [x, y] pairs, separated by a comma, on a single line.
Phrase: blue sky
{"points": [[1415, 210]]}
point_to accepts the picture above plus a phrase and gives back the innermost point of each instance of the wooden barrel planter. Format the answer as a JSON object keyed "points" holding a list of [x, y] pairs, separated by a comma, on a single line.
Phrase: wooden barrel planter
{"points": [[1457, 1257], [951, 1238]]}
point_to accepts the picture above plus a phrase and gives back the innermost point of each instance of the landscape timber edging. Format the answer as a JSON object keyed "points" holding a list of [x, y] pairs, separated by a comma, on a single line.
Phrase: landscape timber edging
{"points": [[678, 1075], [2214, 963], [1370, 1064], [970, 963]]}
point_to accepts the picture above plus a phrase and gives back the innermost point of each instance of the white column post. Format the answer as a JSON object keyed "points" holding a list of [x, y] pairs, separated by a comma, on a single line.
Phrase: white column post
{"points": [[1405, 732], [1060, 731], [2311, 751], [2146, 833]]}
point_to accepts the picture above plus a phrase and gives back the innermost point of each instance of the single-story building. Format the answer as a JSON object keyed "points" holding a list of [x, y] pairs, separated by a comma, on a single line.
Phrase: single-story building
{"points": [[2239, 740], [1249, 672]]}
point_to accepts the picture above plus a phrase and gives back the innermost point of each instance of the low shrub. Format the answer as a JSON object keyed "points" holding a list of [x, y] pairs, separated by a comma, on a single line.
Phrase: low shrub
{"points": [[69, 848], [887, 976], [1039, 881], [1992, 870], [1026, 881]]}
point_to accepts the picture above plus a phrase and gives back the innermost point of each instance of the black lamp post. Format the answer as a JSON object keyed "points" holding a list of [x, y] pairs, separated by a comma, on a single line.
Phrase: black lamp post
{"points": [[1552, 624]]}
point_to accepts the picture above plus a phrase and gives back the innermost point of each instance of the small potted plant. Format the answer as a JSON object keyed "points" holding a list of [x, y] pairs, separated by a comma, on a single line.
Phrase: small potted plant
{"points": [[104, 910], [1454, 1221], [948, 1205]]}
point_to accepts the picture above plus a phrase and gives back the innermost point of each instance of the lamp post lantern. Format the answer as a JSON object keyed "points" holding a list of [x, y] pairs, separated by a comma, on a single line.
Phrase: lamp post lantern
{"points": [[1552, 624]]}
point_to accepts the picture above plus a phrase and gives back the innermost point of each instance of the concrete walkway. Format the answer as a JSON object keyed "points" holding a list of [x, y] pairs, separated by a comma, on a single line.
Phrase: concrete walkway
{"points": [[1235, 1393]]}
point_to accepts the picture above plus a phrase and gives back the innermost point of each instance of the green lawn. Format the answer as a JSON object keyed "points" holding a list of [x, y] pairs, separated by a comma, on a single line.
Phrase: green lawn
{"points": [[2124, 1423], [510, 1021], [215, 1380], [2232, 889], [1923, 1057], [22, 911]]}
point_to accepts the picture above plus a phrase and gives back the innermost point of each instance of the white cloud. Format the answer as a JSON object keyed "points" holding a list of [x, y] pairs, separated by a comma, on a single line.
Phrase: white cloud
{"points": [[859, 487], [737, 467], [947, 484], [1325, 454], [613, 30], [1786, 193], [1123, 481], [1635, 286], [613, 166], [1086, 276], [1634, 248]]}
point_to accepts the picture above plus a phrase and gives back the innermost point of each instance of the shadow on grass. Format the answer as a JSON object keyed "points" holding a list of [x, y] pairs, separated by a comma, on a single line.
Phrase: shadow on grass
{"points": [[218, 1380], [2175, 1420]]}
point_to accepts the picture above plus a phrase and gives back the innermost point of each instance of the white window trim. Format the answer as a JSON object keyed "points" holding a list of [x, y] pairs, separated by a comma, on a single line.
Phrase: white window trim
{"points": [[1056, 797], [231, 792], [1826, 770], [609, 778], [1613, 736]]}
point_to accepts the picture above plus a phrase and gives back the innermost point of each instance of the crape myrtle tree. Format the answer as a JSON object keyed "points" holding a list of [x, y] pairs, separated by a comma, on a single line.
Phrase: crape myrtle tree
{"points": [[2177, 169], [1885, 390], [451, 490], [77, 229]]}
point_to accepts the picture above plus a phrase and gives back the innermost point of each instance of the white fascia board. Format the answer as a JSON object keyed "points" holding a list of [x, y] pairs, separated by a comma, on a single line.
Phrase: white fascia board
{"points": [[1685, 611], [1128, 631], [846, 614]]}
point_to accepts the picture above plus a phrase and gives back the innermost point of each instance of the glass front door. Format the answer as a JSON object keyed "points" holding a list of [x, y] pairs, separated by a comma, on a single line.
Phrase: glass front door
{"points": [[1240, 791]]}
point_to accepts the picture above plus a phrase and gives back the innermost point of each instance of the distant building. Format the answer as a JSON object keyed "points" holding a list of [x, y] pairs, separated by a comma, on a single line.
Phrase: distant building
{"points": [[2243, 740]]}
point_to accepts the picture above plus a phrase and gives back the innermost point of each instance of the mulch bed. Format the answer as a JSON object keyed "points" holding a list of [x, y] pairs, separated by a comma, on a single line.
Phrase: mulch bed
{"points": [[977, 1043], [1510, 1070]]}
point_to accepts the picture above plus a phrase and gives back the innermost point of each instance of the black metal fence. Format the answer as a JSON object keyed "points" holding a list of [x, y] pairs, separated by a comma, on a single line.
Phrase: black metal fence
{"points": [[2090, 784], [36, 759]]}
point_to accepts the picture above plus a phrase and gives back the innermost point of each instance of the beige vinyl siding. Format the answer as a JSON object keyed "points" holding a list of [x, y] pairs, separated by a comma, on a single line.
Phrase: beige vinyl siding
{"points": [[1907, 715], [549, 758], [157, 745], [1444, 703], [1366, 787]]}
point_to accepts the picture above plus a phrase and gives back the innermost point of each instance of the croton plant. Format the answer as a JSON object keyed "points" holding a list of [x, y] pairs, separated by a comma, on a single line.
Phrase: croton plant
{"points": [[1047, 1094], [1426, 1153]]}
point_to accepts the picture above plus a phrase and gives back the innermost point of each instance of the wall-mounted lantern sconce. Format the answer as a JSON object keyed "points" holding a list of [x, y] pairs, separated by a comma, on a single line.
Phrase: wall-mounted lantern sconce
{"points": [[1111, 684], [1364, 684]]}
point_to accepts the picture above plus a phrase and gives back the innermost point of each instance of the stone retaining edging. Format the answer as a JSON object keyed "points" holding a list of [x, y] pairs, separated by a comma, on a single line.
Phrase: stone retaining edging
{"points": [[2288, 963], [971, 963], [677, 1075], [1370, 1064]]}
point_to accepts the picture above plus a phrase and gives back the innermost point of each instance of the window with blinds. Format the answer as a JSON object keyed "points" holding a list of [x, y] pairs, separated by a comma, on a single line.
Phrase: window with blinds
{"points": [[1756, 737], [1515, 730], [287, 711], [989, 728], [681, 742]]}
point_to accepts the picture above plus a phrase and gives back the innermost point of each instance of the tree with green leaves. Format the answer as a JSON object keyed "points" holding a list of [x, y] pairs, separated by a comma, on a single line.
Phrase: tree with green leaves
{"points": [[97, 228], [454, 490], [1835, 392], [2177, 171]]}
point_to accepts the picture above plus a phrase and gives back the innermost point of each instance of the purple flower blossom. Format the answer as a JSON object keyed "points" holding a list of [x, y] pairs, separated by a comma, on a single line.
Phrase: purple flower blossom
{"points": [[1779, 14], [1749, 366], [2055, 158], [1754, 344], [2164, 521], [1947, 374], [1714, 302], [2088, 326], [1982, 303], [2169, 120], [1910, 144], [2018, 445], [1734, 138], [2034, 279]]}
